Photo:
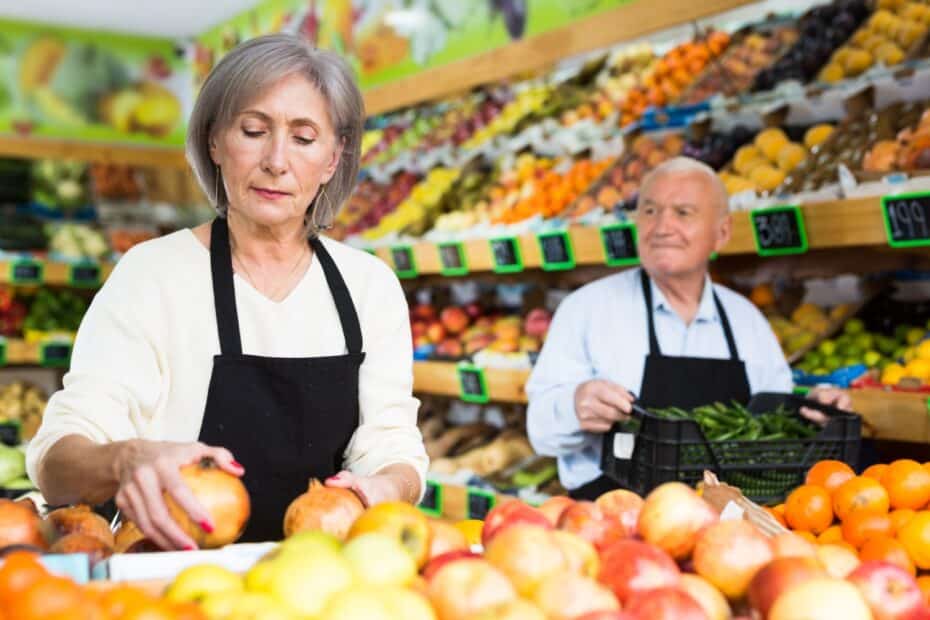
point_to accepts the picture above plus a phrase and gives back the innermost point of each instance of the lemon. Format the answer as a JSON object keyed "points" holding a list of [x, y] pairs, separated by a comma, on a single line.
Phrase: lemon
{"points": [[893, 374], [471, 528], [918, 368], [923, 350]]}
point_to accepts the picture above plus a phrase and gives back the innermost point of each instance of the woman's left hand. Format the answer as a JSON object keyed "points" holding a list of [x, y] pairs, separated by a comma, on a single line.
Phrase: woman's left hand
{"points": [[391, 484]]}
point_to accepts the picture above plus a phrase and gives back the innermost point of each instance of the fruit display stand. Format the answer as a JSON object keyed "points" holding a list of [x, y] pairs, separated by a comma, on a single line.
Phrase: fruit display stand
{"points": [[893, 415], [445, 379]]}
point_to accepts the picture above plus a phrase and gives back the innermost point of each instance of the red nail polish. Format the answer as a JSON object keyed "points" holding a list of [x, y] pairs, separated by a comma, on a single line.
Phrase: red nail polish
{"points": [[189, 547], [237, 465], [206, 526]]}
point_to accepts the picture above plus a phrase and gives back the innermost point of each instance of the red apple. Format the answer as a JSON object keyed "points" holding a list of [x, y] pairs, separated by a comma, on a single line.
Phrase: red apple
{"points": [[789, 544], [890, 591], [822, 598], [527, 554], [588, 521], [710, 599], [580, 555], [444, 538], [450, 348], [778, 576], [554, 506], [435, 564], [566, 595], [473, 311], [506, 514], [838, 561], [436, 332], [729, 554], [423, 312], [668, 603], [537, 322], [624, 506], [631, 566], [606, 615], [672, 517], [454, 320], [418, 328], [462, 589]]}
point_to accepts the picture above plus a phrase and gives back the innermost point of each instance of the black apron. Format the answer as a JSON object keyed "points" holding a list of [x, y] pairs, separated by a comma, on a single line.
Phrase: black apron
{"points": [[685, 382], [285, 419]]}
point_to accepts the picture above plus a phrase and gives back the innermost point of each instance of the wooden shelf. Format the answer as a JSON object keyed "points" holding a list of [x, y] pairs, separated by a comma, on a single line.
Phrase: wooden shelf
{"points": [[895, 416], [22, 353], [56, 273], [97, 152], [441, 379]]}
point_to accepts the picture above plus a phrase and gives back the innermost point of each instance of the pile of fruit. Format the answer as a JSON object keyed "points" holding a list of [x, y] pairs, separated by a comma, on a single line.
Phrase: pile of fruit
{"points": [[54, 311], [525, 103], [415, 214], [909, 149], [23, 404], [807, 323], [458, 332], [623, 73], [370, 202], [717, 147]]}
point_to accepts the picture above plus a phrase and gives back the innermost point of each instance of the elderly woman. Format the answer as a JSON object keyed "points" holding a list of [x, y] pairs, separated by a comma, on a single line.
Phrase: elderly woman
{"points": [[251, 340]]}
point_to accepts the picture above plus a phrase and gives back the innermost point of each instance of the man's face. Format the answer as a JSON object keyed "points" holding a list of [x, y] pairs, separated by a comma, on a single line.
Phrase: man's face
{"points": [[680, 222]]}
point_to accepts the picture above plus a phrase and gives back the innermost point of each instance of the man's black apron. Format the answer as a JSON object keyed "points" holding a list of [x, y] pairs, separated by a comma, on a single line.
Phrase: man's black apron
{"points": [[285, 419], [685, 382]]}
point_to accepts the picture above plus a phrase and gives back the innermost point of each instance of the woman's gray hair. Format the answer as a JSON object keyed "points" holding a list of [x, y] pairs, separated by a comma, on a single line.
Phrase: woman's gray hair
{"points": [[249, 70]]}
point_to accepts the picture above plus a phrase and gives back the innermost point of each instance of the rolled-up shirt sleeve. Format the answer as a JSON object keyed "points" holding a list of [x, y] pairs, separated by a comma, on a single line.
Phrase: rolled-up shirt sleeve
{"points": [[387, 432], [563, 364]]}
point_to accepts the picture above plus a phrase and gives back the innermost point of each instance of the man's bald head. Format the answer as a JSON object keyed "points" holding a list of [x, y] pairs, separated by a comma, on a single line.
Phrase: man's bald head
{"points": [[688, 167]]}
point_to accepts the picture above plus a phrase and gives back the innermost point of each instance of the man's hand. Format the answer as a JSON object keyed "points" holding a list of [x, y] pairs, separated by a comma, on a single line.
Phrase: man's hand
{"points": [[599, 404], [834, 397]]}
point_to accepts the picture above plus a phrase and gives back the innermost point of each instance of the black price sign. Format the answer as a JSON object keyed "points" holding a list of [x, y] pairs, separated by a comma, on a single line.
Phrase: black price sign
{"points": [[452, 260], [479, 503], [84, 275], [620, 245], [779, 231], [26, 271], [473, 385], [404, 264], [507, 255], [55, 354], [10, 433], [431, 503], [557, 252], [907, 220]]}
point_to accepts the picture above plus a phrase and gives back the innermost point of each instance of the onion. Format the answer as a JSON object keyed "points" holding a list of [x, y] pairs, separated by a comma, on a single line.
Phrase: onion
{"points": [[80, 520], [19, 525], [222, 495], [77, 542], [328, 509]]}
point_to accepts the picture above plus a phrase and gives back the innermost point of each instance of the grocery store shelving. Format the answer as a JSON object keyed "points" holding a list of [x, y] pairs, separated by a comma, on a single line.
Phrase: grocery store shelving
{"points": [[97, 152], [55, 273], [441, 379]]}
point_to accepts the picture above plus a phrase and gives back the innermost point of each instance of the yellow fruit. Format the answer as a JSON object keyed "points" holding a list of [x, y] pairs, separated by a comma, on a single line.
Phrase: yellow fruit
{"points": [[890, 5], [872, 42], [767, 178], [472, 530], [197, 582], [736, 184], [817, 135], [744, 156], [889, 53], [923, 350], [918, 368], [770, 141], [910, 32], [832, 73], [857, 62], [893, 374], [790, 156]]}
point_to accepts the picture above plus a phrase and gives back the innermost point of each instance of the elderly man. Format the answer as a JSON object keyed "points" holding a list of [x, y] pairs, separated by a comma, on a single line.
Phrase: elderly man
{"points": [[664, 333]]}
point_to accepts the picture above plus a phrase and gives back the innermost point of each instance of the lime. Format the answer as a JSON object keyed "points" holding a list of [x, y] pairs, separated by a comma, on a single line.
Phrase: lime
{"points": [[821, 372], [851, 361], [915, 335], [832, 363], [854, 326], [872, 358], [900, 332], [827, 347], [899, 353], [864, 341], [887, 345], [813, 359]]}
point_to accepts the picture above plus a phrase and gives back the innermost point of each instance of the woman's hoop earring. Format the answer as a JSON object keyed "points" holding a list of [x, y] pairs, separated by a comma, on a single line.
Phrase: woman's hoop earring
{"points": [[321, 195]]}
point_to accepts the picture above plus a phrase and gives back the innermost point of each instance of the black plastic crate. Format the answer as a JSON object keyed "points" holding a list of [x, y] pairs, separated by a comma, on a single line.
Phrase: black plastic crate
{"points": [[649, 450]]}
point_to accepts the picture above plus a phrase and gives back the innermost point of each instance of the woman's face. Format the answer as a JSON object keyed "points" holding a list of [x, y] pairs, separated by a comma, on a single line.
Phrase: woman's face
{"points": [[277, 152]]}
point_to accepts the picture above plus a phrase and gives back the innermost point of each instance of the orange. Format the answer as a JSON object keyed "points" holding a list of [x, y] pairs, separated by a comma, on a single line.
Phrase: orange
{"points": [[806, 536], [875, 471], [20, 570], [915, 536], [776, 516], [832, 534], [46, 597], [926, 466], [900, 517], [923, 582], [189, 611], [859, 493], [863, 525], [808, 508], [887, 549], [829, 474], [779, 509], [122, 599], [155, 610], [907, 483]]}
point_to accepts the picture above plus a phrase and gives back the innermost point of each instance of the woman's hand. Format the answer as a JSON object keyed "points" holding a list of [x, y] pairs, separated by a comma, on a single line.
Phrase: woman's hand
{"points": [[147, 469], [393, 483], [834, 397]]}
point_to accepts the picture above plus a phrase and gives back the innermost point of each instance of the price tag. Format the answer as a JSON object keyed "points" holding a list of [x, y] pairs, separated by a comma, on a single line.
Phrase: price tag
{"points": [[84, 275], [620, 245], [10, 433], [478, 503], [55, 354], [779, 231], [507, 255], [907, 220], [26, 271], [557, 252], [431, 503], [404, 264], [452, 260], [473, 385]]}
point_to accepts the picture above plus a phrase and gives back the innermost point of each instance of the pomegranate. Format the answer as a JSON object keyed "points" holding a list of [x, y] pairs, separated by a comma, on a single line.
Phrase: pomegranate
{"points": [[328, 509], [80, 520], [127, 534], [78, 542], [672, 516], [19, 525], [222, 495]]}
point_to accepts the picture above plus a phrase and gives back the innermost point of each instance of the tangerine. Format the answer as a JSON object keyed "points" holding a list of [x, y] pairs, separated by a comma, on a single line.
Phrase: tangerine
{"points": [[122, 599], [907, 483], [48, 596], [832, 534], [887, 549], [862, 525], [923, 582], [806, 535], [875, 471], [915, 536], [808, 508], [900, 518], [776, 516], [20, 570], [829, 474], [859, 493]]}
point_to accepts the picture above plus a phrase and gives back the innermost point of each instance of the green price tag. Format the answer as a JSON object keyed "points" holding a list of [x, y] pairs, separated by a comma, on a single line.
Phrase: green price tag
{"points": [[478, 503], [508, 258], [473, 385], [84, 275], [405, 266], [779, 231], [907, 220], [10, 433], [3, 351], [55, 354], [26, 271], [557, 251], [431, 503], [452, 259], [619, 242]]}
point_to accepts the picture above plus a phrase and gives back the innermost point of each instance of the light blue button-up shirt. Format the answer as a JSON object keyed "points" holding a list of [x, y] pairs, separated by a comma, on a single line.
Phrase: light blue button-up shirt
{"points": [[601, 332]]}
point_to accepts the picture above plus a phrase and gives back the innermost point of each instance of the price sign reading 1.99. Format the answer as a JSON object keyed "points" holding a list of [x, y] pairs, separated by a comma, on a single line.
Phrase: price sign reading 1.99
{"points": [[907, 220], [779, 231]]}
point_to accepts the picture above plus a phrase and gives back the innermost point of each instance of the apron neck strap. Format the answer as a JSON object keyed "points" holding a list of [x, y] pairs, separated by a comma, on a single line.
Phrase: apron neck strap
{"points": [[224, 294], [348, 317], [654, 341]]}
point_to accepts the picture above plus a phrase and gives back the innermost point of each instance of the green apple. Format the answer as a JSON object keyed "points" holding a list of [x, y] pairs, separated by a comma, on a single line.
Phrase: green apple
{"points": [[198, 582], [827, 348], [245, 606], [305, 582], [308, 542], [854, 326], [872, 358], [378, 603], [379, 559]]}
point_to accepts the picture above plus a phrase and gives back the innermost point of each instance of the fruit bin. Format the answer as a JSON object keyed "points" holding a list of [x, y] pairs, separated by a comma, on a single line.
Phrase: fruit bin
{"points": [[662, 450]]}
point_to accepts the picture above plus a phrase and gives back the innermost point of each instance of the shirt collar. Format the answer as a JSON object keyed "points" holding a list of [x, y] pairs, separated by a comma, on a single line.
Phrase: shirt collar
{"points": [[707, 309]]}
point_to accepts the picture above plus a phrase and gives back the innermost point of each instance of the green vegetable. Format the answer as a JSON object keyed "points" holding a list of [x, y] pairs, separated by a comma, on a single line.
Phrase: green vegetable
{"points": [[12, 464]]}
